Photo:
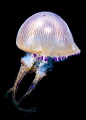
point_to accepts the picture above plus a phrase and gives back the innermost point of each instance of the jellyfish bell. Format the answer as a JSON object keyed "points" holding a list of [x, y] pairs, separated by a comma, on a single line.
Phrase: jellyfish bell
{"points": [[46, 33], [43, 36]]}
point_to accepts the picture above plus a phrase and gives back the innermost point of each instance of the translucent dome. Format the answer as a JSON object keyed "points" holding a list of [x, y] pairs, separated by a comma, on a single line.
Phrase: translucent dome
{"points": [[48, 34]]}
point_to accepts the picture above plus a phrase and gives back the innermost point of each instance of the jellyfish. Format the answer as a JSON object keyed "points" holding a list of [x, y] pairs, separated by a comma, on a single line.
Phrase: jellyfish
{"points": [[45, 37]]}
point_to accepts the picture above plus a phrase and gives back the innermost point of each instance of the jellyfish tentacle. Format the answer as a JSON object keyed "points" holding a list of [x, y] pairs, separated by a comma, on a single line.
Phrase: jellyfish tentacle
{"points": [[31, 110], [10, 90], [28, 92], [32, 87], [22, 72], [19, 78], [33, 69]]}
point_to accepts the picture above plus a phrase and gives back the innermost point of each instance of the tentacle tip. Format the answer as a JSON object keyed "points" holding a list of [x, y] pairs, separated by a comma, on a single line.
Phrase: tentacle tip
{"points": [[32, 110], [6, 94]]}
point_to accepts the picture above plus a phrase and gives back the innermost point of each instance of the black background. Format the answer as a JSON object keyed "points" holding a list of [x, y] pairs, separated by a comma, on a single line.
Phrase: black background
{"points": [[61, 94]]}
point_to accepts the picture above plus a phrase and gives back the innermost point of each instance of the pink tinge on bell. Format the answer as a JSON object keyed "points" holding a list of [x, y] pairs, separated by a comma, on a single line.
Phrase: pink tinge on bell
{"points": [[46, 34]]}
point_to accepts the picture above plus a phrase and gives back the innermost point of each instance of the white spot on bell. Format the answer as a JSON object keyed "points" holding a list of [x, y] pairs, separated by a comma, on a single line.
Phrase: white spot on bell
{"points": [[39, 23], [47, 29]]}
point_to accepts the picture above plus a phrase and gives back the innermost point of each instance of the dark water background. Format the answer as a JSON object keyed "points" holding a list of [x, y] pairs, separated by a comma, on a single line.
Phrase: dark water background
{"points": [[61, 94]]}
